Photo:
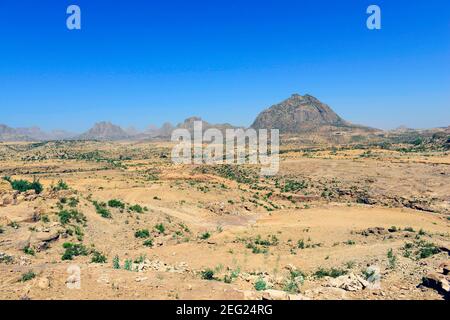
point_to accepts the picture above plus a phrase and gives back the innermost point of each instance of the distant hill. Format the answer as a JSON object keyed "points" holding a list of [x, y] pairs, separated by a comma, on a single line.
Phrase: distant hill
{"points": [[104, 131], [189, 125], [32, 134], [303, 114]]}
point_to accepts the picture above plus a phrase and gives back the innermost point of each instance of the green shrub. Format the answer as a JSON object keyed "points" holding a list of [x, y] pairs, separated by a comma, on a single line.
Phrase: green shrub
{"points": [[148, 243], [392, 258], [61, 185], [205, 235], [114, 203], [260, 285], [160, 227], [28, 276], [144, 233], [98, 257], [128, 265], [333, 272], [136, 208], [66, 216], [207, 274], [29, 250], [100, 208], [116, 262], [24, 185], [73, 250]]}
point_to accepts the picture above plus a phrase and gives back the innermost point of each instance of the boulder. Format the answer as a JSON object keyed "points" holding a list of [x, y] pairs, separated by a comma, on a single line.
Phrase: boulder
{"points": [[349, 282], [437, 282], [445, 266]]}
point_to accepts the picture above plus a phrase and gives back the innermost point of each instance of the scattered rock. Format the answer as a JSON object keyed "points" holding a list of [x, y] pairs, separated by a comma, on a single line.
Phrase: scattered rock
{"points": [[349, 282]]}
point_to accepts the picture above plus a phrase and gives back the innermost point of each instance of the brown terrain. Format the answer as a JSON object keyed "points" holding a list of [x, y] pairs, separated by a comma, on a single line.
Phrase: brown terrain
{"points": [[350, 219]]}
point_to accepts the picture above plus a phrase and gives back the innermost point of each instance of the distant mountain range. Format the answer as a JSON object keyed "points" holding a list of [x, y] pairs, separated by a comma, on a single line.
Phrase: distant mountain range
{"points": [[297, 115]]}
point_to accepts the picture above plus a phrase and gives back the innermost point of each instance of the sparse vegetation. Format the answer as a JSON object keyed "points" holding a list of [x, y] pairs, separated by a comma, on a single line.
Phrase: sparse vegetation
{"points": [[24, 185], [28, 276], [73, 250], [144, 233]]}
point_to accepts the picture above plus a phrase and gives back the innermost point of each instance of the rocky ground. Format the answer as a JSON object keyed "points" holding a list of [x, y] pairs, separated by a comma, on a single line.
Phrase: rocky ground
{"points": [[120, 221]]}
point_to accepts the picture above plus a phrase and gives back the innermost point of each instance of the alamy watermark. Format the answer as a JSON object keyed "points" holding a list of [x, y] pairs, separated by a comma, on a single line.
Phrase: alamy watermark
{"points": [[238, 146]]}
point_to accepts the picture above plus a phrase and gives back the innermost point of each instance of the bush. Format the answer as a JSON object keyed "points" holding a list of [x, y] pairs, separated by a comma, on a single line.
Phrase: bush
{"points": [[29, 250], [98, 257], [100, 208], [144, 233], [28, 276], [260, 285], [205, 236], [207, 274], [160, 227], [116, 262], [73, 250], [61, 185], [392, 259], [114, 203], [66, 216], [148, 243], [128, 265], [23, 185], [136, 208], [333, 272]]}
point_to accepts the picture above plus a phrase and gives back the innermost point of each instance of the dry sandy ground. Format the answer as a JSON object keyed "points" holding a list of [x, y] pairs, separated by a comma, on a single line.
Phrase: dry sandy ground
{"points": [[246, 232]]}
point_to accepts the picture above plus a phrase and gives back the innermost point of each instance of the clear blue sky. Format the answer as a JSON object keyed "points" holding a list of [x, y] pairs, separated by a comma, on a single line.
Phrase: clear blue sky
{"points": [[141, 62]]}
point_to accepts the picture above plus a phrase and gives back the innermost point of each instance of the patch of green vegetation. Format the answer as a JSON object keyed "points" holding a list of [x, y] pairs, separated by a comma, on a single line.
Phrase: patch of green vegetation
{"points": [[100, 208], [28, 276], [333, 272], [116, 262], [128, 265], [419, 249], [29, 250], [14, 225], [148, 243], [392, 259], [73, 202], [114, 203], [207, 274], [294, 186], [160, 227], [61, 185], [260, 285], [98, 257], [24, 185], [144, 233], [136, 208], [205, 235], [67, 216], [73, 250]]}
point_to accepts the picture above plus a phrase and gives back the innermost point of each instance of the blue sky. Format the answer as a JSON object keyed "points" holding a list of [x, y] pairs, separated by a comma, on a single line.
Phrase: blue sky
{"points": [[142, 62]]}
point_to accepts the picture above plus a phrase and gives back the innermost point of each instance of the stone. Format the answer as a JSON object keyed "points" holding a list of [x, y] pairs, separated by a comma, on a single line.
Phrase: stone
{"points": [[271, 294], [349, 282], [437, 282], [445, 266], [44, 283]]}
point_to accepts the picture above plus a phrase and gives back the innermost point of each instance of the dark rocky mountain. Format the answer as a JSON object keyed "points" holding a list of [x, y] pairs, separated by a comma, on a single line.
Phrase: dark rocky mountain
{"points": [[303, 114], [104, 131]]}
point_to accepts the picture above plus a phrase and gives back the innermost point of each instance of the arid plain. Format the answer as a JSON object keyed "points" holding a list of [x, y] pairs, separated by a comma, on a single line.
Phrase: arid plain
{"points": [[341, 221]]}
